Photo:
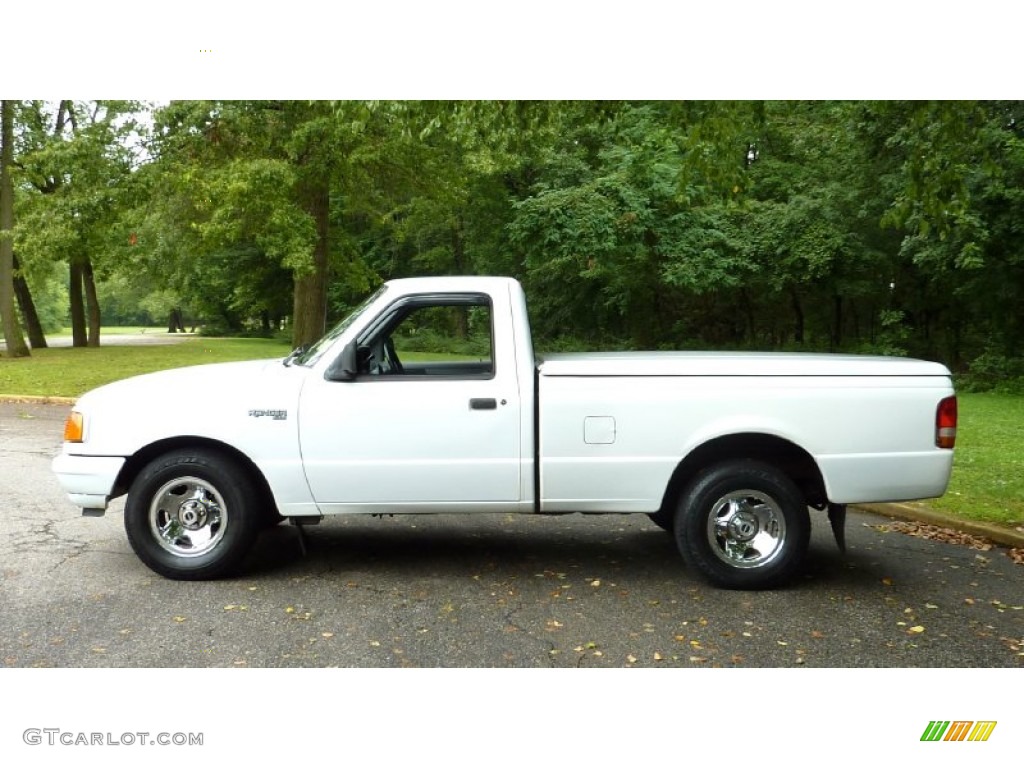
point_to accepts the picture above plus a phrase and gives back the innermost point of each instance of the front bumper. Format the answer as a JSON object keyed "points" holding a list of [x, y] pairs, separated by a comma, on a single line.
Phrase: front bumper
{"points": [[88, 480]]}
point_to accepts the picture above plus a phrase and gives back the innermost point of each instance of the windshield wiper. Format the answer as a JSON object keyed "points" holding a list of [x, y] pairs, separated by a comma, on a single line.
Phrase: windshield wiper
{"points": [[295, 353]]}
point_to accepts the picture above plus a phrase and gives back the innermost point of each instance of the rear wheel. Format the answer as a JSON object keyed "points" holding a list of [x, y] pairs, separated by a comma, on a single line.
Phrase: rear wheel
{"points": [[743, 525], [192, 515]]}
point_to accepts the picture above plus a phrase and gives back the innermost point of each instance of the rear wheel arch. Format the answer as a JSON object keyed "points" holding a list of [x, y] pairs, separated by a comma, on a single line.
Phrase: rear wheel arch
{"points": [[786, 456]]}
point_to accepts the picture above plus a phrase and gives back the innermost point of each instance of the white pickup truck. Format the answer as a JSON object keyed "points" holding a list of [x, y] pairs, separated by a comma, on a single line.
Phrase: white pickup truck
{"points": [[428, 398]]}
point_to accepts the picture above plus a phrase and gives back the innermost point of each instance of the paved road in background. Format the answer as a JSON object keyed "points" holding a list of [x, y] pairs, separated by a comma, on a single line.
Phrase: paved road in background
{"points": [[121, 339], [490, 591]]}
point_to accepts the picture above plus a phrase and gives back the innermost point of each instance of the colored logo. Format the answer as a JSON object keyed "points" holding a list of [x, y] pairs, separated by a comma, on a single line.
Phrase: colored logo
{"points": [[958, 730]]}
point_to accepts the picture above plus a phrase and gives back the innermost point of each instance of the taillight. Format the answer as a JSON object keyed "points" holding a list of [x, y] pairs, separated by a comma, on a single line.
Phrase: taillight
{"points": [[945, 423]]}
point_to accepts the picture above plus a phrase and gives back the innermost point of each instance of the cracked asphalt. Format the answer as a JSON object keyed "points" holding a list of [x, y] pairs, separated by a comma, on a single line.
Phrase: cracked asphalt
{"points": [[487, 591]]}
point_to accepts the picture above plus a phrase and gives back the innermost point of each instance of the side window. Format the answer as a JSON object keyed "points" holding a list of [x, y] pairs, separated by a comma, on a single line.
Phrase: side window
{"points": [[443, 337]]}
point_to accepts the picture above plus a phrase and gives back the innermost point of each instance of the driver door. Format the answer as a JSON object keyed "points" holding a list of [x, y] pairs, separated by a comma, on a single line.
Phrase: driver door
{"points": [[430, 422]]}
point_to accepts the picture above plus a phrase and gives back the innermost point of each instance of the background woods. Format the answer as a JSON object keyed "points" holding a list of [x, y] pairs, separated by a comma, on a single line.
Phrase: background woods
{"points": [[887, 227]]}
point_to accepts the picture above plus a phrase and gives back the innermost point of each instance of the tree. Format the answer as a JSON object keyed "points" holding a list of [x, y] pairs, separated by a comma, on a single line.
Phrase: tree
{"points": [[77, 161], [33, 324], [16, 346]]}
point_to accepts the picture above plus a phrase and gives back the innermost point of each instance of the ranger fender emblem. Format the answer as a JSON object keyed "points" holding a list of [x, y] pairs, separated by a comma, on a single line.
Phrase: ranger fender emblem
{"points": [[274, 414]]}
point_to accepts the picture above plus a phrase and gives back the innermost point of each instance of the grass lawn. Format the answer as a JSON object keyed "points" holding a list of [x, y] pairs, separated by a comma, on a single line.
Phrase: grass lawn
{"points": [[988, 467], [988, 472], [69, 372]]}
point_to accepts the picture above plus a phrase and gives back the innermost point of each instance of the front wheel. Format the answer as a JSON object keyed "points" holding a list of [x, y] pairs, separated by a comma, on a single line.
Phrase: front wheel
{"points": [[192, 515], [743, 525]]}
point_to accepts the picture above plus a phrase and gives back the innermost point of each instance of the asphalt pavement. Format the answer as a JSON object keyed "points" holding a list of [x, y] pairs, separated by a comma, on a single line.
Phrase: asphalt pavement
{"points": [[479, 591], [145, 337]]}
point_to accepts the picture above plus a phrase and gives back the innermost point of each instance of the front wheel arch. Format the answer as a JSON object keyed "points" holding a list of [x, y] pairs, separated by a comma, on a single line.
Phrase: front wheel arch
{"points": [[192, 444]]}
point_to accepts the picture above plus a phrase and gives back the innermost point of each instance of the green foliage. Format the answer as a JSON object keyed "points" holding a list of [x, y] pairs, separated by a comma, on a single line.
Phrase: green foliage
{"points": [[991, 371], [48, 283], [887, 227]]}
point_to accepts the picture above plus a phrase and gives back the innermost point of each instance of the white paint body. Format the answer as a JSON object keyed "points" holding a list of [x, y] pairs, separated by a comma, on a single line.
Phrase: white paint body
{"points": [[583, 432]]}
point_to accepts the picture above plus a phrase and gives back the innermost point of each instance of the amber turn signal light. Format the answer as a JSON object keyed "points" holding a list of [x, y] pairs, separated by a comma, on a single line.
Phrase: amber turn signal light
{"points": [[74, 428]]}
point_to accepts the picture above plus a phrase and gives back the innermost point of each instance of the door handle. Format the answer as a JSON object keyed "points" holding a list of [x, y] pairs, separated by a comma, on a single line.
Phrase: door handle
{"points": [[483, 404]]}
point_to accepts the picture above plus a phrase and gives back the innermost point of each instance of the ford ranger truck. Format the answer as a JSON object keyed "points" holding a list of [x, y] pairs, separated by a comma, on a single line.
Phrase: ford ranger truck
{"points": [[427, 398]]}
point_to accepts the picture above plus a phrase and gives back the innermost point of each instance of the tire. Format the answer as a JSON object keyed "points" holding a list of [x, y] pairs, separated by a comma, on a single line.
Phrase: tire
{"points": [[192, 515], [743, 525]]}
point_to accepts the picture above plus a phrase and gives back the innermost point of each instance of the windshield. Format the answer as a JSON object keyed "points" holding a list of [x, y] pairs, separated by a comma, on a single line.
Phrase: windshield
{"points": [[311, 355]]}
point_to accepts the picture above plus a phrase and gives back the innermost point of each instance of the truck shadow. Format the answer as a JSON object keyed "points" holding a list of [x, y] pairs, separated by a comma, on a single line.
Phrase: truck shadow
{"points": [[506, 546]]}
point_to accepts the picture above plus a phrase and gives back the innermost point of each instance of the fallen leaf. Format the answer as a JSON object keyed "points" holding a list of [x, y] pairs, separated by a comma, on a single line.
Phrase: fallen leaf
{"points": [[916, 630], [631, 659], [887, 581], [938, 533], [658, 656], [179, 619]]}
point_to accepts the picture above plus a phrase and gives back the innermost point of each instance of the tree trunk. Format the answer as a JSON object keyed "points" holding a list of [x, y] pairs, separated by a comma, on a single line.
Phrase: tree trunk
{"points": [[28, 309], [837, 323], [16, 346], [310, 297], [176, 323], [92, 304], [79, 334], [798, 317]]}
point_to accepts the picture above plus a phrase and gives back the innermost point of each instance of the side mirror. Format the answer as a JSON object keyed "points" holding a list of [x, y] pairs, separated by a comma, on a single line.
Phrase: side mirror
{"points": [[344, 367]]}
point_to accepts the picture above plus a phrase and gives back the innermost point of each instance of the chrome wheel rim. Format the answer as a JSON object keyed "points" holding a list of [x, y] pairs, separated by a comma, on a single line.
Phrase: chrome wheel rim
{"points": [[187, 516], [746, 529]]}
